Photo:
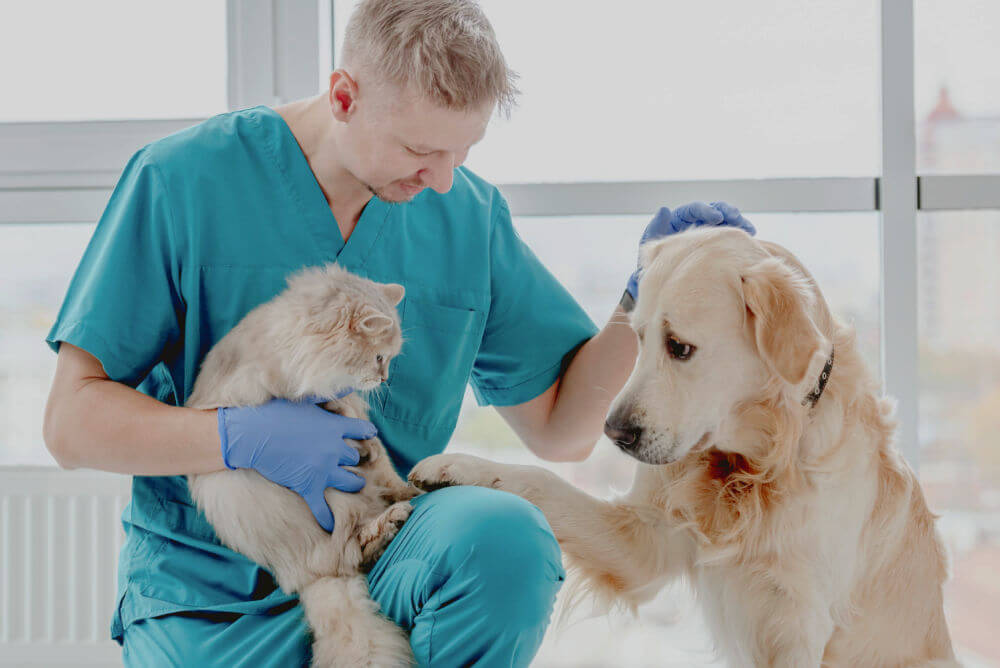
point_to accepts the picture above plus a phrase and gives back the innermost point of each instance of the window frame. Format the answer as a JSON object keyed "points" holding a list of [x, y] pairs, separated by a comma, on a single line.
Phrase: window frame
{"points": [[58, 172]]}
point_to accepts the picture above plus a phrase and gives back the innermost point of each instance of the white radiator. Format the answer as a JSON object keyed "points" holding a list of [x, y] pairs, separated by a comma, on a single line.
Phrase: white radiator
{"points": [[59, 537]]}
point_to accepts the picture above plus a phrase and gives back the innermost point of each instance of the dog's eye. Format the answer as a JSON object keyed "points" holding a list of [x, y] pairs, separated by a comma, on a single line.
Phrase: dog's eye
{"points": [[678, 350]]}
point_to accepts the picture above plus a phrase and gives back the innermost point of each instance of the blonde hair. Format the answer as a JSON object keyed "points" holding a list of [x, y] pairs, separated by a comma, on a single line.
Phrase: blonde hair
{"points": [[443, 50]]}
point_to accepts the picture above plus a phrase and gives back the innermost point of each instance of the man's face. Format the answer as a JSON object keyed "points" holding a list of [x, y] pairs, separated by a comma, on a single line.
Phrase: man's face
{"points": [[398, 144]]}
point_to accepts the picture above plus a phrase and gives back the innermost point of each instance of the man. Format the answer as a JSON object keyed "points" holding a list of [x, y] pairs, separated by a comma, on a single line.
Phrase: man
{"points": [[205, 224]]}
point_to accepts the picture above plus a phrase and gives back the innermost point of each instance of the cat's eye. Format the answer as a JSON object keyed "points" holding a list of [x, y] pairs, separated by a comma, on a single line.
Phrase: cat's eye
{"points": [[378, 358], [678, 350]]}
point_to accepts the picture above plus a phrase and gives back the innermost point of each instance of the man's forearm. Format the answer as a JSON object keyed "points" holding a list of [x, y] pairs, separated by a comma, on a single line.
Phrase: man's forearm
{"points": [[111, 427], [594, 377]]}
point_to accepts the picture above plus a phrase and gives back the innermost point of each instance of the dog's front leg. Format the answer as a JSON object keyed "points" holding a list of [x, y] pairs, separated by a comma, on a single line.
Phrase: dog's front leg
{"points": [[791, 636], [801, 649], [626, 552]]}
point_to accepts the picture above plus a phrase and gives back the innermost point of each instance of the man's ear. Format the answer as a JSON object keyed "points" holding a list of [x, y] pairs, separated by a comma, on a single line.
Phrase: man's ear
{"points": [[778, 300], [343, 94]]}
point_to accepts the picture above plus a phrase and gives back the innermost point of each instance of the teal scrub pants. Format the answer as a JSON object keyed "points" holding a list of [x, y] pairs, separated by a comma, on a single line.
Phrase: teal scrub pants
{"points": [[472, 575]]}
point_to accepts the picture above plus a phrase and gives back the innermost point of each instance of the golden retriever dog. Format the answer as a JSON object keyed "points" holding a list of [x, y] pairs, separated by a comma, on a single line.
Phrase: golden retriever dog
{"points": [[767, 473]]}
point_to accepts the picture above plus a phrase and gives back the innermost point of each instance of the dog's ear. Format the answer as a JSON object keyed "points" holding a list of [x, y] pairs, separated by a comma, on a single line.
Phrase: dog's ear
{"points": [[779, 300], [649, 250]]}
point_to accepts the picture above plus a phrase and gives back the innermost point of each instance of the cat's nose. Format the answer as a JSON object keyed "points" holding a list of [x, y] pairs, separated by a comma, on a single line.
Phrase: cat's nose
{"points": [[385, 376]]}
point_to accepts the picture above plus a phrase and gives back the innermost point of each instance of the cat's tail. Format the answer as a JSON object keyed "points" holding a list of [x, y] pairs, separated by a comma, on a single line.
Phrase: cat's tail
{"points": [[348, 629]]}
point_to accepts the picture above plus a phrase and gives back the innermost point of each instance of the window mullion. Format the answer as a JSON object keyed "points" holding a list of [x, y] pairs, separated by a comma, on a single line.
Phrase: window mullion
{"points": [[959, 192], [273, 51], [644, 197], [898, 238]]}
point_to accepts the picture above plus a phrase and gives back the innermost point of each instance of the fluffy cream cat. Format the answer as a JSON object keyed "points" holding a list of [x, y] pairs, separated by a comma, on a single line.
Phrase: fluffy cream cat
{"points": [[322, 334]]}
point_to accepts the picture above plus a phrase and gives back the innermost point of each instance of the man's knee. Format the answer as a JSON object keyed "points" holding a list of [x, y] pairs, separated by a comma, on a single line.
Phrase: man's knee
{"points": [[507, 546]]}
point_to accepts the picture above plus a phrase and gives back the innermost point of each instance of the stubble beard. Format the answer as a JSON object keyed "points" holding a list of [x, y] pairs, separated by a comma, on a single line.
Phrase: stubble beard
{"points": [[387, 198]]}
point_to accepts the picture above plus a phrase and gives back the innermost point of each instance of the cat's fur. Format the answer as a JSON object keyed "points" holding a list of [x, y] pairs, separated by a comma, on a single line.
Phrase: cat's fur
{"points": [[320, 335]]}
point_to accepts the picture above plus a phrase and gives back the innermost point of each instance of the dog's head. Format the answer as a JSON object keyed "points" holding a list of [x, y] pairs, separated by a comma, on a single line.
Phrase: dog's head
{"points": [[722, 320]]}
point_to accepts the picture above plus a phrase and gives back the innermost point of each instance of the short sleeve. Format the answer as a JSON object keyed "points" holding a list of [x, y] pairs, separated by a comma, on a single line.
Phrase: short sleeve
{"points": [[123, 305], [533, 322]]}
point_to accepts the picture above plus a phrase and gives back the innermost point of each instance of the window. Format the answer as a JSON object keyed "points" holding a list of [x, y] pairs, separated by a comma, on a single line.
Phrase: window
{"points": [[960, 411], [790, 91], [783, 92], [957, 86], [112, 59], [36, 264]]}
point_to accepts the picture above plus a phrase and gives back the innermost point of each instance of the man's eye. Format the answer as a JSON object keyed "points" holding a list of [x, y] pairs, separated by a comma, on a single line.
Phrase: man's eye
{"points": [[678, 350], [415, 152]]}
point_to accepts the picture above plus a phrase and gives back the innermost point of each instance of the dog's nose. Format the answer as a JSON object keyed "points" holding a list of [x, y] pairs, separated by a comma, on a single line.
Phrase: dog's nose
{"points": [[623, 436]]}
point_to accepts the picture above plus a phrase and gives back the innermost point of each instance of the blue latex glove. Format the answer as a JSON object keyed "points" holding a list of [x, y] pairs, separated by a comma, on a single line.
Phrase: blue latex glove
{"points": [[297, 445], [683, 217]]}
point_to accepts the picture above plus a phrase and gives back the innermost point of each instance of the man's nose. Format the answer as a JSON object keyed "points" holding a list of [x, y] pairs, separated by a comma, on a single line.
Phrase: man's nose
{"points": [[440, 175]]}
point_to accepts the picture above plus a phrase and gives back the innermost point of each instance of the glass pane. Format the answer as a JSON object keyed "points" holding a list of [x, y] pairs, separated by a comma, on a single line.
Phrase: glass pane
{"points": [[640, 90], [957, 88], [841, 251], [960, 414], [36, 264], [112, 59]]}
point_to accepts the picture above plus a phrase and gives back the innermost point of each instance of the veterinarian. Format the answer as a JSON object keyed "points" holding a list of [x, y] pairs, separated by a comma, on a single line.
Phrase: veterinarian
{"points": [[205, 224]]}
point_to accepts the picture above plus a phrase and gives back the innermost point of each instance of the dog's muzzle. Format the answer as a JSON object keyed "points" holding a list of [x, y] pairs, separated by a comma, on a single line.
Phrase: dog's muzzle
{"points": [[624, 436]]}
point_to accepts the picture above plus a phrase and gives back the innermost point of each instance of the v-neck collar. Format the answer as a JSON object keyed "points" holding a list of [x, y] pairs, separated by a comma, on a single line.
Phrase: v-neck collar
{"points": [[318, 217]]}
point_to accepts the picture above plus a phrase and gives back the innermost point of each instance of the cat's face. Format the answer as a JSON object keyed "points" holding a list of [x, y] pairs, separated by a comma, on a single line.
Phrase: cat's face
{"points": [[376, 338], [348, 330]]}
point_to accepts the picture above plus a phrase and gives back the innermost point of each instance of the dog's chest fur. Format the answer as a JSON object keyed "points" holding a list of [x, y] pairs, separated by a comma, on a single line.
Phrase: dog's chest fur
{"points": [[760, 536]]}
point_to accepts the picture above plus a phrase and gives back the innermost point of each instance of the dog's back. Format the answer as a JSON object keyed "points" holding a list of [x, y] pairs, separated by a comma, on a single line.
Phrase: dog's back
{"points": [[898, 611]]}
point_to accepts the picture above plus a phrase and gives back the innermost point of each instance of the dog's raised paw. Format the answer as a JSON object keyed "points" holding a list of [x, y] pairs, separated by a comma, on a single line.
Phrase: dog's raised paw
{"points": [[445, 471], [431, 474]]}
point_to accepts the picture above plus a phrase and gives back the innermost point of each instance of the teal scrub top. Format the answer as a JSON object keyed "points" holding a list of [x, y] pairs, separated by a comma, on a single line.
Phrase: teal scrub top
{"points": [[204, 225]]}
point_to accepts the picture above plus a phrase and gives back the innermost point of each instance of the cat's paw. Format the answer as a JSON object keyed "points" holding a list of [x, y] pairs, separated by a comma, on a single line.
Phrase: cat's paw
{"points": [[377, 534], [367, 451], [395, 517], [440, 471]]}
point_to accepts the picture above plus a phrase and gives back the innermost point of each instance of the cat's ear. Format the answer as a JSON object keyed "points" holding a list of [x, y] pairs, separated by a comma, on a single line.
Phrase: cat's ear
{"points": [[393, 292], [370, 321]]}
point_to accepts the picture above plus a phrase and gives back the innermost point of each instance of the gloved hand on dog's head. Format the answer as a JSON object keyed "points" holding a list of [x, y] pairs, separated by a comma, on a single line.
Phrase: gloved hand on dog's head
{"points": [[694, 214]]}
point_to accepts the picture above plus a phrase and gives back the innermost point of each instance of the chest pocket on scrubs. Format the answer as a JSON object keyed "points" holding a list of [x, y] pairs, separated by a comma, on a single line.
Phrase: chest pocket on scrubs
{"points": [[427, 379]]}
